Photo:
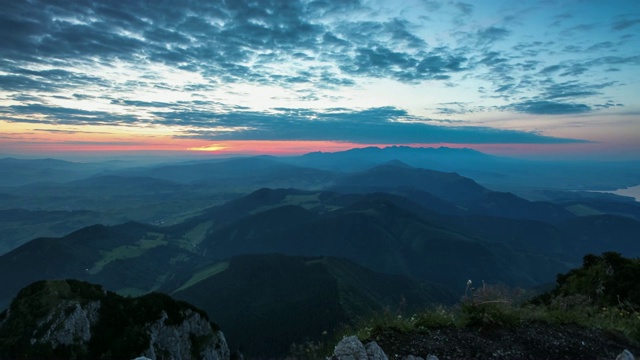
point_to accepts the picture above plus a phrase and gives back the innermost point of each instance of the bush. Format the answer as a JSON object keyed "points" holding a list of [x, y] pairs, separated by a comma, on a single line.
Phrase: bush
{"points": [[438, 317], [383, 322], [490, 306], [490, 315]]}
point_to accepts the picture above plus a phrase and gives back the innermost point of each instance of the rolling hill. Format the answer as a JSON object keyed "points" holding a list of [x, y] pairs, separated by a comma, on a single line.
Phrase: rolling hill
{"points": [[377, 233], [457, 190], [129, 258], [265, 303]]}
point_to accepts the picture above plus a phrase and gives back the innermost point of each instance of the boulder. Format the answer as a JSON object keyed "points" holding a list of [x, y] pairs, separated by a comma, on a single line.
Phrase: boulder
{"points": [[625, 355], [374, 352], [350, 348]]}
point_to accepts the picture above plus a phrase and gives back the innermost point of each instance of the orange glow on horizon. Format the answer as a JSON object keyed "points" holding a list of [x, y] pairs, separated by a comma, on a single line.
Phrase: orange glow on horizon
{"points": [[133, 144], [277, 147]]}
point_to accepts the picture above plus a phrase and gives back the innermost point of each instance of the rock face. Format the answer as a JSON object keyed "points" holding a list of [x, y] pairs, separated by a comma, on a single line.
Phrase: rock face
{"points": [[72, 319], [191, 338], [67, 324]]}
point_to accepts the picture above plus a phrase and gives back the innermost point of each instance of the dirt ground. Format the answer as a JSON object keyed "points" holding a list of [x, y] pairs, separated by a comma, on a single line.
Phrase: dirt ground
{"points": [[529, 341]]}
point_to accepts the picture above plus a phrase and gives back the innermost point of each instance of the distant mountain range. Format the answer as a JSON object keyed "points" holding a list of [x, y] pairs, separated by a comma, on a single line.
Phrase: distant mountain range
{"points": [[505, 173], [498, 172]]}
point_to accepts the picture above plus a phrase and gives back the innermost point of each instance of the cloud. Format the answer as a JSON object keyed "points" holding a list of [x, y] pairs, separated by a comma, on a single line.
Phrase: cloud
{"points": [[579, 29], [455, 108], [574, 70], [551, 69], [601, 46], [614, 60], [560, 19], [432, 5], [544, 107], [572, 89], [607, 105], [488, 36], [465, 8], [400, 33], [624, 24], [382, 62], [38, 113], [25, 83], [137, 103]]}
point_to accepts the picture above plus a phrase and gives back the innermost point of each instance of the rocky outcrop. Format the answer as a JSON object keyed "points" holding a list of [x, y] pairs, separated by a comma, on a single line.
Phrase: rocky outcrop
{"points": [[72, 319], [192, 338], [68, 323]]}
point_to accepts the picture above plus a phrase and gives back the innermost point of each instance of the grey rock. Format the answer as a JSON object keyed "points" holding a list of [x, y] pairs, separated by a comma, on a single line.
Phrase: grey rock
{"points": [[350, 348], [374, 352], [432, 357], [175, 341], [69, 323], [625, 355]]}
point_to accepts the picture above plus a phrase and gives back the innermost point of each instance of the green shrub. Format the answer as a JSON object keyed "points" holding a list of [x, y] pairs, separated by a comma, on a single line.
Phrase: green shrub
{"points": [[490, 315], [490, 306], [438, 317]]}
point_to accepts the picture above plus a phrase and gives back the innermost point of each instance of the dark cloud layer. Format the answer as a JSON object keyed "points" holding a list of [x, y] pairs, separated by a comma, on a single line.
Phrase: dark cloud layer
{"points": [[544, 107], [369, 126]]}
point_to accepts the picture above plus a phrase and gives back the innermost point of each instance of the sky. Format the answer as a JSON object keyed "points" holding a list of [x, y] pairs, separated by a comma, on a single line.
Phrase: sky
{"points": [[556, 79]]}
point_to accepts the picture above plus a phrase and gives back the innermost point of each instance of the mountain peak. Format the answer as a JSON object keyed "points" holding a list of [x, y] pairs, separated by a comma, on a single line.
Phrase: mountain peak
{"points": [[439, 158]]}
